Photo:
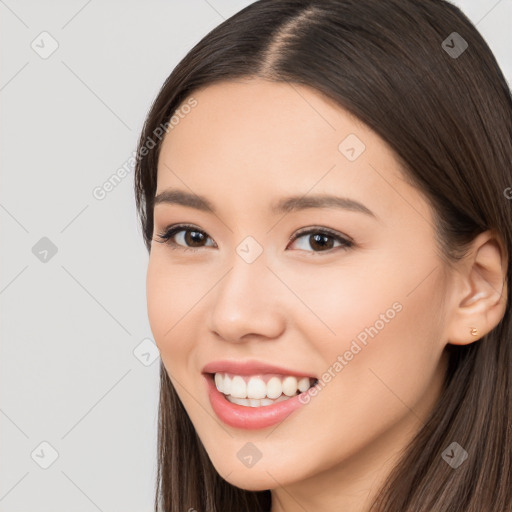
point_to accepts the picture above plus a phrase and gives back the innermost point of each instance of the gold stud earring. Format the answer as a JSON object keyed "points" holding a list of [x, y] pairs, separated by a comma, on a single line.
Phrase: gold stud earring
{"points": [[474, 331]]}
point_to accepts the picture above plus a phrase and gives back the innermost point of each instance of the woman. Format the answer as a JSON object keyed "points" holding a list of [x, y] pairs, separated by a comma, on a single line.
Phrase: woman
{"points": [[324, 189]]}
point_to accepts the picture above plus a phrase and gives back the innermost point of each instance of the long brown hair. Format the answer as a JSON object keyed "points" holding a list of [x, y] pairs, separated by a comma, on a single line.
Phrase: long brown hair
{"points": [[441, 102]]}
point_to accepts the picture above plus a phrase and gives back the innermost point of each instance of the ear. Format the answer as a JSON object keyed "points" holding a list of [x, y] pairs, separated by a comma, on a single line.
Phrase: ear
{"points": [[479, 290]]}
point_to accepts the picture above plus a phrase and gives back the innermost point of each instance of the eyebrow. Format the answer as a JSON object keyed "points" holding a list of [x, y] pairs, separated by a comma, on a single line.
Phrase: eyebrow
{"points": [[284, 205]]}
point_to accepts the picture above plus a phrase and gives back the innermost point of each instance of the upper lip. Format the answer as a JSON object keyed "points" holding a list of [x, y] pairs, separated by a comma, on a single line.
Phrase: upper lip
{"points": [[251, 367]]}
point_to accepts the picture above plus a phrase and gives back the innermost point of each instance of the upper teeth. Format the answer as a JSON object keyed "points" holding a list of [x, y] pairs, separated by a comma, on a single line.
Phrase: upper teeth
{"points": [[260, 387]]}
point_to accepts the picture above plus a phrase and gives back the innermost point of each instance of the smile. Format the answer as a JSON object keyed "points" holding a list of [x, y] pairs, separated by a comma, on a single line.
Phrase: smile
{"points": [[256, 413], [260, 390]]}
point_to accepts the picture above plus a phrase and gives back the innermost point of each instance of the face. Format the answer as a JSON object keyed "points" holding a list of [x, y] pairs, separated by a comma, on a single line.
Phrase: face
{"points": [[349, 295]]}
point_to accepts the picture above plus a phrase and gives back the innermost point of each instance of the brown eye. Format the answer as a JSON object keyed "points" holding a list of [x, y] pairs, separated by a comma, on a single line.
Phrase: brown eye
{"points": [[193, 238], [321, 240], [185, 237]]}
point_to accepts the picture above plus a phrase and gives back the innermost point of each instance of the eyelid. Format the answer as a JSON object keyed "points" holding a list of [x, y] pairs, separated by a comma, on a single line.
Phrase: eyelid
{"points": [[319, 229], [345, 241], [170, 231]]}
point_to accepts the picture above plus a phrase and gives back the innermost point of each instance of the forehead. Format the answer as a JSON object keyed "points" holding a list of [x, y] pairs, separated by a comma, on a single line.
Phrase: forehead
{"points": [[264, 139]]}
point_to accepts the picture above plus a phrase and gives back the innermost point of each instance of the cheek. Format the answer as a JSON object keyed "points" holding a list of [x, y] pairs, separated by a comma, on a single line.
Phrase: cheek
{"points": [[156, 296], [368, 320], [339, 302], [174, 296], [167, 298]]}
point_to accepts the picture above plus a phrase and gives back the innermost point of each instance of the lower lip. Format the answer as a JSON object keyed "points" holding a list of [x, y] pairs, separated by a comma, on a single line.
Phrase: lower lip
{"points": [[240, 416]]}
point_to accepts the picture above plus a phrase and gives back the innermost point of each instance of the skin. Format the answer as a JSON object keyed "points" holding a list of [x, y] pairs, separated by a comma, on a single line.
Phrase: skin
{"points": [[245, 145]]}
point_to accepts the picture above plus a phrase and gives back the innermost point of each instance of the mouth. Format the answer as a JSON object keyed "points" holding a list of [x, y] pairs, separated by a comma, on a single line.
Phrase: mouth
{"points": [[261, 390], [244, 412]]}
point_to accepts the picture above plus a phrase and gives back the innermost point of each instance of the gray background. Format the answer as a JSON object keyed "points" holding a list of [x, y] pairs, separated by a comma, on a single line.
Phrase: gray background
{"points": [[79, 368]]}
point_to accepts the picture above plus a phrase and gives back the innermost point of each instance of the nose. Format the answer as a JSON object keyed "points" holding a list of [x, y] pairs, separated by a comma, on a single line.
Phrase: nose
{"points": [[247, 303]]}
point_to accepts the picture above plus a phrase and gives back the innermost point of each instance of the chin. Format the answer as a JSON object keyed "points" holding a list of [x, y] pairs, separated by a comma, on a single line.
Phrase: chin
{"points": [[252, 481]]}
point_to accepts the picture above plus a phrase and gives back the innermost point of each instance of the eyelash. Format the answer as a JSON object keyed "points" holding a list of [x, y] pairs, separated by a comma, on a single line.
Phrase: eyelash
{"points": [[167, 235]]}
